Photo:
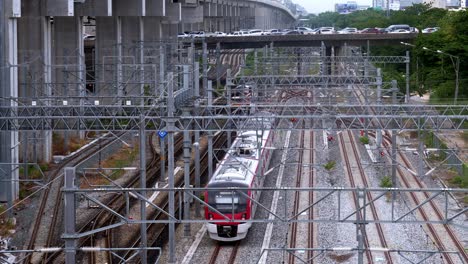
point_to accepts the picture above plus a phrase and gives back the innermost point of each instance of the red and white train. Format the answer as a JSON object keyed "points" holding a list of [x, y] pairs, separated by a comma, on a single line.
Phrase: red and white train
{"points": [[243, 166]]}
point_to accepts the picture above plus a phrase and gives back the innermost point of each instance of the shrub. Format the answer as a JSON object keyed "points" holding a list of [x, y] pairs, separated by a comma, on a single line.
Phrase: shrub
{"points": [[330, 165], [364, 140], [386, 182], [458, 180]]}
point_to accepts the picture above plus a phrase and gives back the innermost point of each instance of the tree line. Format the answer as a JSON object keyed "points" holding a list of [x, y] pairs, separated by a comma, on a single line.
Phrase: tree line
{"points": [[430, 71]]}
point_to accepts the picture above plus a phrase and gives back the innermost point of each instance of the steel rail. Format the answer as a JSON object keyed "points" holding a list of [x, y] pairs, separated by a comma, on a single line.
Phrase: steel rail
{"points": [[375, 215], [353, 185]]}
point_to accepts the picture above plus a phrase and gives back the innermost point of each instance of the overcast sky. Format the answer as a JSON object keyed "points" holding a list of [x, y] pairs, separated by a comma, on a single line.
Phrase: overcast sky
{"points": [[319, 6]]}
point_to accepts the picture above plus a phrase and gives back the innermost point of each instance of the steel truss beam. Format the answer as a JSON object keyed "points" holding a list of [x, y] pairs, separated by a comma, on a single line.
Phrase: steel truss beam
{"points": [[335, 59], [421, 255], [324, 196], [289, 80], [216, 118]]}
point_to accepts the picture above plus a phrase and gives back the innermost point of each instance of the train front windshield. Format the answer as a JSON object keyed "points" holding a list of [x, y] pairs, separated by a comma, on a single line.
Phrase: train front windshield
{"points": [[227, 202]]}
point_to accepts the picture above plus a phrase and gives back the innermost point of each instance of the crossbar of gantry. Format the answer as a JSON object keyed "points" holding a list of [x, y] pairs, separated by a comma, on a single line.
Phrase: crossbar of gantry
{"points": [[334, 59], [325, 197], [234, 117], [281, 80]]}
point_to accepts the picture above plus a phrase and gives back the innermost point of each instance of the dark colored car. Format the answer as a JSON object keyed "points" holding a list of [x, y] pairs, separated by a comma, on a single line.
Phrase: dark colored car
{"points": [[370, 31]]}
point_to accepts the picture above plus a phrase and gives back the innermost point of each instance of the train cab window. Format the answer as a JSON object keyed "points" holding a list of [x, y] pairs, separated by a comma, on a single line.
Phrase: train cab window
{"points": [[227, 201], [245, 151]]}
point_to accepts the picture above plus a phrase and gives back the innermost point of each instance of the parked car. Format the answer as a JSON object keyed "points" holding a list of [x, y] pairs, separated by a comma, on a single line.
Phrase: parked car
{"points": [[220, 34], [255, 32], [370, 31], [293, 32], [270, 32], [399, 31], [327, 30], [348, 30], [305, 30], [430, 30], [397, 27], [197, 34]]}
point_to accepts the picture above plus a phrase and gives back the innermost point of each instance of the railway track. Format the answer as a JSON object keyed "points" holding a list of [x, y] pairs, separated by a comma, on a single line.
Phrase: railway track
{"points": [[363, 177], [102, 217], [404, 178], [157, 231], [219, 251], [311, 233], [294, 225], [55, 181], [409, 180], [355, 198]]}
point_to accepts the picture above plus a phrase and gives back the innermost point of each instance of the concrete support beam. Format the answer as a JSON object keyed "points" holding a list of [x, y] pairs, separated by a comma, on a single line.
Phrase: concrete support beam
{"points": [[156, 8], [68, 39], [129, 8], [59, 7], [94, 8]]}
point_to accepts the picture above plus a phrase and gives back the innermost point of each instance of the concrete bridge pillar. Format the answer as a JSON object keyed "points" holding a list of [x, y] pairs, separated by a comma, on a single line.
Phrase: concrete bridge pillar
{"points": [[34, 48], [9, 141], [328, 66]]}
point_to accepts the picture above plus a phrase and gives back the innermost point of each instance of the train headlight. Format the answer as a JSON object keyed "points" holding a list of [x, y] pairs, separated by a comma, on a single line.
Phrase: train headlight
{"points": [[210, 216], [244, 216]]}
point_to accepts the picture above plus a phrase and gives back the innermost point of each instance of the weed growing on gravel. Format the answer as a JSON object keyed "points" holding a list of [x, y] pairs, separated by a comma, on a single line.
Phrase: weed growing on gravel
{"points": [[364, 140], [330, 165], [386, 182]]}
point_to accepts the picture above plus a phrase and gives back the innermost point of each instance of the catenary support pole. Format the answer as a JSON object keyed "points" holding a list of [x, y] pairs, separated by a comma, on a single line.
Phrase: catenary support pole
{"points": [[187, 158], [196, 146], [407, 61], [162, 94], [70, 217], [394, 139], [205, 67], [170, 168], [143, 236], [229, 101], [210, 134], [218, 65], [379, 103]]}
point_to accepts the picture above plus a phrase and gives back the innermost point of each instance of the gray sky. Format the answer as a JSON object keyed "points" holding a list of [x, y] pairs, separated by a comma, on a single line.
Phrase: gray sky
{"points": [[319, 6]]}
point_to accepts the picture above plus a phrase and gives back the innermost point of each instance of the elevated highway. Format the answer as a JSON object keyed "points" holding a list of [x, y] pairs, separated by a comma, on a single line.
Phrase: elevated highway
{"points": [[42, 51], [335, 40]]}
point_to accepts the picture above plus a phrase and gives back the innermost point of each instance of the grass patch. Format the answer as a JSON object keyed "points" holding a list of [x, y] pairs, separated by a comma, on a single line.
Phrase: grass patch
{"points": [[458, 181], [34, 172], [330, 165], [5, 226], [123, 158], [74, 143], [386, 182], [364, 140]]}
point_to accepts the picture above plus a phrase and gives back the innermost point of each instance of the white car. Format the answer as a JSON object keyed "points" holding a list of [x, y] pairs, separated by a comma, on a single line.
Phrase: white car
{"points": [[326, 30], [399, 31], [270, 32], [430, 30], [306, 30], [348, 31], [197, 34], [220, 34], [255, 32]]}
